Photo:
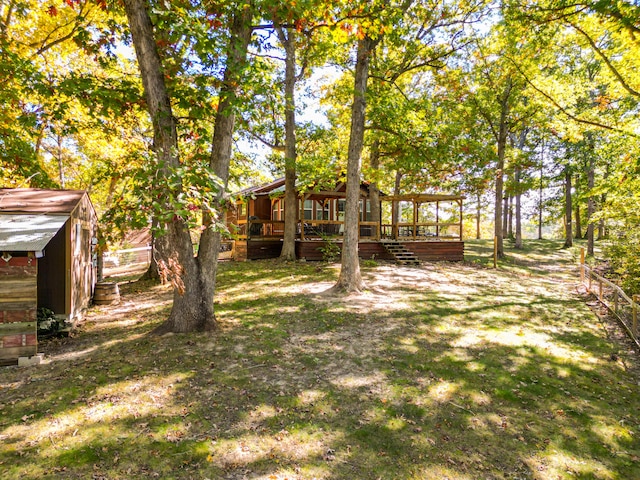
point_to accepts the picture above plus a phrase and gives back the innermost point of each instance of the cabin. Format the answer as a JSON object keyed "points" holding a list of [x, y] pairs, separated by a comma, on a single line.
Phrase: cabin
{"points": [[47, 260], [402, 228]]}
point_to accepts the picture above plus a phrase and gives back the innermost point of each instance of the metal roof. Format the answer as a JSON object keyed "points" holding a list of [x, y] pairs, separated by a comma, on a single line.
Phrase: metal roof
{"points": [[28, 233], [265, 188], [36, 200]]}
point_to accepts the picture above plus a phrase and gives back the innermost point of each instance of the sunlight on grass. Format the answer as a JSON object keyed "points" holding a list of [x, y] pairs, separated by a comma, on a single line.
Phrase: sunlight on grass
{"points": [[439, 371], [516, 337], [310, 397], [444, 391], [559, 464], [282, 447], [89, 421], [440, 472], [612, 434], [352, 381]]}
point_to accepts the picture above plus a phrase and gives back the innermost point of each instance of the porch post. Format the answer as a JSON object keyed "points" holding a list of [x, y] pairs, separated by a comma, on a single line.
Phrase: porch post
{"points": [[437, 218], [415, 219], [304, 199], [460, 202], [394, 219], [379, 220]]}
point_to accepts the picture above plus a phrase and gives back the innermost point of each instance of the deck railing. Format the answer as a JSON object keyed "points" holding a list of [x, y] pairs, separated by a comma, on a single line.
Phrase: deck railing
{"points": [[318, 229], [259, 228], [422, 231]]}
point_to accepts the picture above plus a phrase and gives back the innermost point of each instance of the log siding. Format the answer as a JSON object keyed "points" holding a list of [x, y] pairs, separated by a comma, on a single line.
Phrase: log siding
{"points": [[18, 315]]}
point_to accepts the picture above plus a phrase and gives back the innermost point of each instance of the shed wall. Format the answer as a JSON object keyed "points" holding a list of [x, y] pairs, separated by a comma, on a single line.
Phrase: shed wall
{"points": [[18, 307], [81, 229]]}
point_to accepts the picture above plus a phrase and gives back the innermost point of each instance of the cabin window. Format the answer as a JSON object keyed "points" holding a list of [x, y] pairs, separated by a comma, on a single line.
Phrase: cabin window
{"points": [[340, 207], [242, 210], [366, 205], [308, 209], [277, 210], [322, 211]]}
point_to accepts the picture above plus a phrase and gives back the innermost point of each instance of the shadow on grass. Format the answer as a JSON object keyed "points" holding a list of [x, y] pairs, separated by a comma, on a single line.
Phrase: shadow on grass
{"points": [[472, 375]]}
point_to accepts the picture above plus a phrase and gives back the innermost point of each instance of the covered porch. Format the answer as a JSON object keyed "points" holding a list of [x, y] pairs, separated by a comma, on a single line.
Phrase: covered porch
{"points": [[430, 225]]}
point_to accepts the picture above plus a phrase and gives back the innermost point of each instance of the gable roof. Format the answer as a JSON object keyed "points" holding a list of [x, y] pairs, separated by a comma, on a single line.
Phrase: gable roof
{"points": [[38, 201]]}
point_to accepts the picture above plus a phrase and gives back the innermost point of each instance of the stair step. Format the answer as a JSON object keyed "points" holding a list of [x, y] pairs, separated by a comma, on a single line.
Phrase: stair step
{"points": [[401, 254]]}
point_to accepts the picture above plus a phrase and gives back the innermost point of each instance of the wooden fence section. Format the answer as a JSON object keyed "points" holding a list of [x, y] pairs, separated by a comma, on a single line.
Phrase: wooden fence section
{"points": [[624, 308]]}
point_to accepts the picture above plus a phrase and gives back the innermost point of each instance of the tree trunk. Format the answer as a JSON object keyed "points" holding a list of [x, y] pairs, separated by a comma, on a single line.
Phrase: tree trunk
{"points": [[193, 278], [505, 216], [602, 231], [518, 213], [540, 202], [510, 217], [374, 192], [518, 193], [578, 222], [502, 134], [478, 214], [59, 158], [221, 145], [591, 206], [350, 279], [288, 40], [395, 205], [568, 209], [499, 183], [153, 272], [177, 256]]}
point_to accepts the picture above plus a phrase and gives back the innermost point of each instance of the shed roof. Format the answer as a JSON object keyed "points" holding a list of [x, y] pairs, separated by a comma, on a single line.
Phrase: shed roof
{"points": [[28, 233], [36, 200]]}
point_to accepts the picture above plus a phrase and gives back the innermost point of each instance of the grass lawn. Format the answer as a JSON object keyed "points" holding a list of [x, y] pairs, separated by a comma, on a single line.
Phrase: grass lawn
{"points": [[454, 371]]}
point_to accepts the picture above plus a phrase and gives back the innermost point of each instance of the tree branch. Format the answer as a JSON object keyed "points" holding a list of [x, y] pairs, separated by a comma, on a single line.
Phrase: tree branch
{"points": [[565, 111], [273, 145], [606, 60]]}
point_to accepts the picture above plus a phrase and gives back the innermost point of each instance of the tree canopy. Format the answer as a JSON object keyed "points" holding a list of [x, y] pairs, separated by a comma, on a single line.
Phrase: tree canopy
{"points": [[155, 107]]}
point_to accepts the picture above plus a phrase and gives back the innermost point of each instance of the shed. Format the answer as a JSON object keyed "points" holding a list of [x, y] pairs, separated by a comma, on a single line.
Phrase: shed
{"points": [[47, 242]]}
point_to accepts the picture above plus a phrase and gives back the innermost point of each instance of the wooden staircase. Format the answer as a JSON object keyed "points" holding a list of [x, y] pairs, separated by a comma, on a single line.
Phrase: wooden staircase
{"points": [[400, 253]]}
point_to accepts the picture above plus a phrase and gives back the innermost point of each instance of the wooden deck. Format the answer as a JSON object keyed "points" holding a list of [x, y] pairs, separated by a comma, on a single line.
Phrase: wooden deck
{"points": [[429, 250]]}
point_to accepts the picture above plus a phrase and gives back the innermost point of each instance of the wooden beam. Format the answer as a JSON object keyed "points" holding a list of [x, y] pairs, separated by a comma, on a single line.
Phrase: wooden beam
{"points": [[422, 197]]}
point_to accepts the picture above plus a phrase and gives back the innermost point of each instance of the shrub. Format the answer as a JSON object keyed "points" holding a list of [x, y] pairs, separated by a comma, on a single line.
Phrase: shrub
{"points": [[330, 249], [48, 324]]}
